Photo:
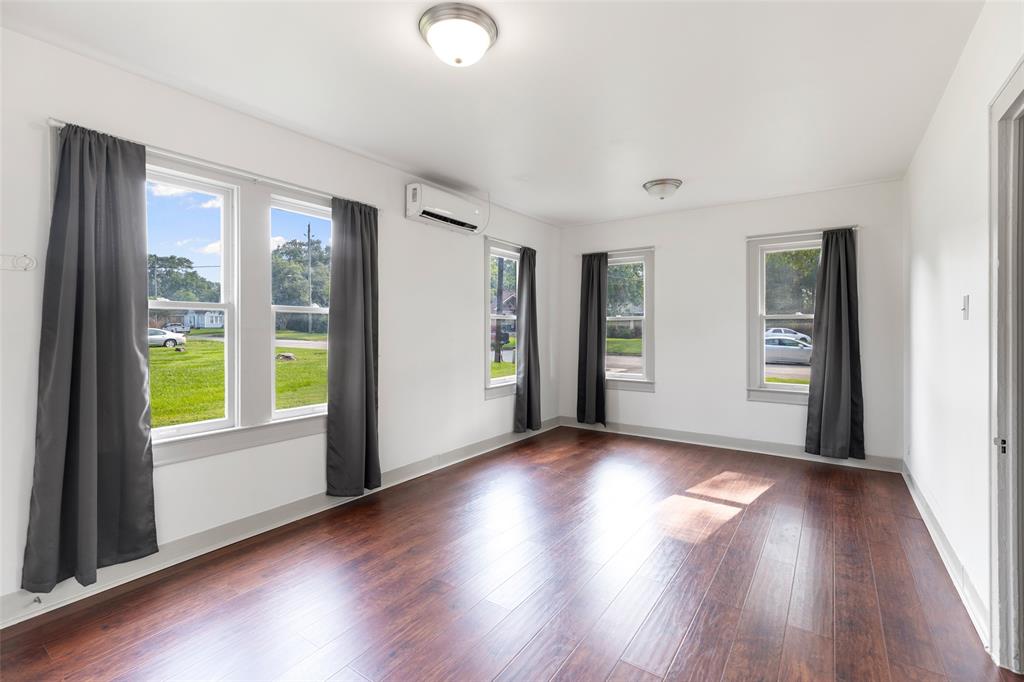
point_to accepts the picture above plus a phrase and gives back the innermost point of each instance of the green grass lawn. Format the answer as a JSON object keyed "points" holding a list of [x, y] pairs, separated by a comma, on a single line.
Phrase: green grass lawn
{"points": [[624, 347], [502, 369], [302, 381], [189, 386], [292, 335], [787, 380]]}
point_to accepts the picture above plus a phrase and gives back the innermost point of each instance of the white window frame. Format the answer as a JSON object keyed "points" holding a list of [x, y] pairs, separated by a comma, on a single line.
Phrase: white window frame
{"points": [[757, 248], [644, 380], [228, 287], [314, 208], [504, 386]]}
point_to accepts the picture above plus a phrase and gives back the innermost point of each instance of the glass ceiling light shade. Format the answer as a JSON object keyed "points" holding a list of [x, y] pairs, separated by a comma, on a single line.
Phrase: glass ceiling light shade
{"points": [[458, 34], [662, 188]]}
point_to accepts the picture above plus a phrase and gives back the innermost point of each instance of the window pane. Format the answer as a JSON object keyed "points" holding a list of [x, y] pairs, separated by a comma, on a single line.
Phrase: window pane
{"points": [[186, 366], [184, 238], [504, 282], [300, 259], [787, 351], [625, 289], [789, 281], [624, 347], [503, 350], [300, 360]]}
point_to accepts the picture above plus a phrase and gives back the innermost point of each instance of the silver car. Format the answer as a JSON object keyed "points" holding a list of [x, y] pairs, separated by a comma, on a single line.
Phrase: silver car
{"points": [[785, 331], [780, 349], [162, 337]]}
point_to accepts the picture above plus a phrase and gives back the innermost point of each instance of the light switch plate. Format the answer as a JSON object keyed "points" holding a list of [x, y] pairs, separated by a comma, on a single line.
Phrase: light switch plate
{"points": [[966, 308]]}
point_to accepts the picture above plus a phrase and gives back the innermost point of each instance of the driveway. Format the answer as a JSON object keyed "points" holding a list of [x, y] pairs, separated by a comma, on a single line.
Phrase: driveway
{"points": [[279, 343]]}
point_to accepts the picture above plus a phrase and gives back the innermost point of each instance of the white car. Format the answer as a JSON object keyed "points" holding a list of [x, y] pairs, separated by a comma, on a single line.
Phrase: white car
{"points": [[785, 331], [162, 337], [786, 350]]}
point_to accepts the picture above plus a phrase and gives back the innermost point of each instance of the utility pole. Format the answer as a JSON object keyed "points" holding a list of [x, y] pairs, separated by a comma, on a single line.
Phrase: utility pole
{"points": [[309, 272]]}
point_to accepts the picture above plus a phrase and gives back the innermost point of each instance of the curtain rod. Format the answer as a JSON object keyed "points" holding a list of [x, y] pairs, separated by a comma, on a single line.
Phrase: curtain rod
{"points": [[804, 233], [176, 156]]}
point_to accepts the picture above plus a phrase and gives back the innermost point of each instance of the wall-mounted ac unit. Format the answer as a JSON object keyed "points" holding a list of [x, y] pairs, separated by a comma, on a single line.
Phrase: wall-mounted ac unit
{"points": [[435, 206]]}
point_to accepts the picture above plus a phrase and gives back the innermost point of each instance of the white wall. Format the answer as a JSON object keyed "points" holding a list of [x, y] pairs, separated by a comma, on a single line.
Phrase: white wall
{"points": [[431, 400], [700, 292], [948, 256]]}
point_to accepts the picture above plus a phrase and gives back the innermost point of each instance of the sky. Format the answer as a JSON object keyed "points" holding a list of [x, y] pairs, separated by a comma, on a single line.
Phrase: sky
{"points": [[187, 223]]}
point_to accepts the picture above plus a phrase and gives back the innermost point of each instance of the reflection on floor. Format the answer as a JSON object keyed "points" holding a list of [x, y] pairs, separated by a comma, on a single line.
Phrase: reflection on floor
{"points": [[573, 555]]}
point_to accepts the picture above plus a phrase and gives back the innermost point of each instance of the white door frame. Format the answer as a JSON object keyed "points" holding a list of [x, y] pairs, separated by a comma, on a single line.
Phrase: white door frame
{"points": [[1006, 303]]}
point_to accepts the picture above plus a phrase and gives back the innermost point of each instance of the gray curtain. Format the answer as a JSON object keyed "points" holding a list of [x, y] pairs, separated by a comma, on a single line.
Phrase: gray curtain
{"points": [[92, 487], [353, 460], [835, 406], [527, 412], [593, 311]]}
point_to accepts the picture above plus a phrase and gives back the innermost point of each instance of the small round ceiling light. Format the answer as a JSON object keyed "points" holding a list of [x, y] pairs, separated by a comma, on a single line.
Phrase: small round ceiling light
{"points": [[458, 34], [662, 188]]}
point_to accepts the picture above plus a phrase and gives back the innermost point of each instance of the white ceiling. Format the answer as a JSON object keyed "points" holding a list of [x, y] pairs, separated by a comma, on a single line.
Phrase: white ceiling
{"points": [[577, 104]]}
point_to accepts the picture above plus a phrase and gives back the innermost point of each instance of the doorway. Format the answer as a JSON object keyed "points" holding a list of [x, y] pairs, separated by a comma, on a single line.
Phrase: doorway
{"points": [[1007, 381]]}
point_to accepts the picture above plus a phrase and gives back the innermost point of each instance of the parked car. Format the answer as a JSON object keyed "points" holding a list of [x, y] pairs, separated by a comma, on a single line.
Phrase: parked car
{"points": [[785, 350], [176, 327], [162, 337], [784, 331]]}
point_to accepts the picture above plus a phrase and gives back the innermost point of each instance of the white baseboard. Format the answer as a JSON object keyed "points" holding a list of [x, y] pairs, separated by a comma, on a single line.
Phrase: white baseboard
{"points": [[892, 464], [21, 605], [969, 595]]}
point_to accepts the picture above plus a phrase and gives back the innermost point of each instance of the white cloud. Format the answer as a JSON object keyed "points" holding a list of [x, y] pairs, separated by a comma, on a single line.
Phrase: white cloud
{"points": [[160, 190], [276, 243], [183, 242], [212, 247], [214, 202]]}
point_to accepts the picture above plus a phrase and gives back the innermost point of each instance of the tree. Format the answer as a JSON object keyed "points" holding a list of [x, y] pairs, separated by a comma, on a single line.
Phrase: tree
{"points": [[301, 275], [626, 289], [174, 278], [503, 293], [790, 281]]}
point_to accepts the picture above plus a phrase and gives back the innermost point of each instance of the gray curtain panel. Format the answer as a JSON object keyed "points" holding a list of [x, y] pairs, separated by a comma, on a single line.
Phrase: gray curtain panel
{"points": [[353, 460], [92, 487], [835, 406], [593, 311], [527, 411]]}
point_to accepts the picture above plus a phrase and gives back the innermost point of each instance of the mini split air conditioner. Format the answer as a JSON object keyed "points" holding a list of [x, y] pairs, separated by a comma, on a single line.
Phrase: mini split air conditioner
{"points": [[435, 206]]}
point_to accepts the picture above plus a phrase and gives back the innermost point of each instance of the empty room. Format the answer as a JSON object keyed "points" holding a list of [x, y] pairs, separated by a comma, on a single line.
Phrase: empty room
{"points": [[581, 340]]}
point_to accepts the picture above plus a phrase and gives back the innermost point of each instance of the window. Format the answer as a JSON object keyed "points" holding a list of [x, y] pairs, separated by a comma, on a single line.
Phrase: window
{"points": [[300, 265], [190, 235], [502, 286], [629, 344], [783, 277]]}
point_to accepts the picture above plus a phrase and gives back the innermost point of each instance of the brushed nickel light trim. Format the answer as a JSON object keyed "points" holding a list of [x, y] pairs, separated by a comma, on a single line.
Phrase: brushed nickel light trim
{"points": [[458, 10], [662, 187]]}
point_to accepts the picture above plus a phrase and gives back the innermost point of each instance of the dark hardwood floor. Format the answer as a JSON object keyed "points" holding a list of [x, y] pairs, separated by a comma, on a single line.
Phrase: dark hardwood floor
{"points": [[574, 555]]}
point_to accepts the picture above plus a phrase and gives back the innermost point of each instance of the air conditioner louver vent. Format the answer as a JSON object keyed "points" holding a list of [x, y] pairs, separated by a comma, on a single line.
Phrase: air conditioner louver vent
{"points": [[446, 219]]}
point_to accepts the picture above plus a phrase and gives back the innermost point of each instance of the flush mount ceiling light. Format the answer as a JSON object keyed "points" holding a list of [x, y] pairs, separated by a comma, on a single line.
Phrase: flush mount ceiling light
{"points": [[458, 34], [662, 187]]}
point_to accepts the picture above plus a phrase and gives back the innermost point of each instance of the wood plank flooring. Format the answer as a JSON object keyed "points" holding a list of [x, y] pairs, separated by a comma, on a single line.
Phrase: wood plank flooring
{"points": [[573, 555]]}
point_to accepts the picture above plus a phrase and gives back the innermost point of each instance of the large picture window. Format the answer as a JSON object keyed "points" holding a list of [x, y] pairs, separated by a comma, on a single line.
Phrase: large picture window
{"points": [[783, 278], [502, 289], [300, 263], [190, 236], [628, 349]]}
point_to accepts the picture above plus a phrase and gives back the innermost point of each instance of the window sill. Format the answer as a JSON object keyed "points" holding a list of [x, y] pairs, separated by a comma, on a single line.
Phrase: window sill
{"points": [[775, 395], [500, 391], [619, 384], [199, 445]]}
